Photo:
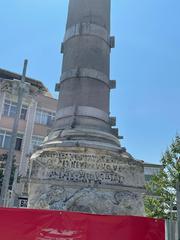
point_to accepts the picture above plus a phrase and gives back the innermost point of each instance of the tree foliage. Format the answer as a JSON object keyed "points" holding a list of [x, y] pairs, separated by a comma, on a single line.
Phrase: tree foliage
{"points": [[161, 197], [3, 159]]}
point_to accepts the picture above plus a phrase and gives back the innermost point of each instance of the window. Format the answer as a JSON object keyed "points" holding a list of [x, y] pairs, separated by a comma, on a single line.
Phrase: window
{"points": [[36, 141], [1, 138], [5, 140], [23, 112], [10, 109], [151, 170], [44, 117], [19, 140]]}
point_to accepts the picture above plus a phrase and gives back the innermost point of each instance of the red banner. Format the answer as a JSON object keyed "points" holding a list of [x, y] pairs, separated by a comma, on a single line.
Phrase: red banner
{"points": [[22, 224]]}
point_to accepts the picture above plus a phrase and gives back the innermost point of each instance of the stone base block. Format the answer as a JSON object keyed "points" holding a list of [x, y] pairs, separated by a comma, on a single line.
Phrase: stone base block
{"points": [[86, 180]]}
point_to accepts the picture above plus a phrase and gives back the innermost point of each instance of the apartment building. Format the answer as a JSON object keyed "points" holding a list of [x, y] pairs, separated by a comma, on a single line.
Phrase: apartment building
{"points": [[150, 170], [36, 117]]}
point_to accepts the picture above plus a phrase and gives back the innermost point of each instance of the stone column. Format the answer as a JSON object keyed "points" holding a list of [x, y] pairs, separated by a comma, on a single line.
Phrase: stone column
{"points": [[86, 49], [81, 166], [83, 109]]}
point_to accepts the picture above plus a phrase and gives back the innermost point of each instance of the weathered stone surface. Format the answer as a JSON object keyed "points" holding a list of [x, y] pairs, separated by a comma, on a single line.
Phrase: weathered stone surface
{"points": [[82, 166], [87, 180], [88, 199]]}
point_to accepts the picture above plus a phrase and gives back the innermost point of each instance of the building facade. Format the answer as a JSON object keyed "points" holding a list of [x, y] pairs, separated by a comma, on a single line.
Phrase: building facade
{"points": [[150, 170], [36, 118]]}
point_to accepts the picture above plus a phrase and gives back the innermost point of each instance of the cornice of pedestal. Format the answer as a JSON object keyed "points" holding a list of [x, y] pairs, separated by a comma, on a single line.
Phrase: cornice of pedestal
{"points": [[82, 137]]}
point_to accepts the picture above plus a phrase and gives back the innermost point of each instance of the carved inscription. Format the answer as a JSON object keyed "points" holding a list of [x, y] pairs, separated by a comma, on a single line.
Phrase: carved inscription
{"points": [[86, 177], [82, 168], [80, 161]]}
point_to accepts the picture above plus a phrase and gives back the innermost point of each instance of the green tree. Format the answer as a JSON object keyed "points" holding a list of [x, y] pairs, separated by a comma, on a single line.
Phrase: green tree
{"points": [[1, 177], [3, 158], [13, 169], [161, 190]]}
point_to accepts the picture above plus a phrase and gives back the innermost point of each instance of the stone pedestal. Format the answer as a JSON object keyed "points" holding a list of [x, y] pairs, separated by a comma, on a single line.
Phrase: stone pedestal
{"points": [[86, 180]]}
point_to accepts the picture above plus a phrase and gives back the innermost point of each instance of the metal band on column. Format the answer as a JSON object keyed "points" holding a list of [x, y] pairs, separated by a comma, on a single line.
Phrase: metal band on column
{"points": [[89, 29], [83, 111], [86, 73]]}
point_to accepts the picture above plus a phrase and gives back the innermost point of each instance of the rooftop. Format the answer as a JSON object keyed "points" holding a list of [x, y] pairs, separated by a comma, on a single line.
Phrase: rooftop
{"points": [[11, 75], [152, 165]]}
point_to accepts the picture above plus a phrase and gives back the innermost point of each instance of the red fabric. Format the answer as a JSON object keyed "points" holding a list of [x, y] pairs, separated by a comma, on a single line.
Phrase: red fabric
{"points": [[22, 224]]}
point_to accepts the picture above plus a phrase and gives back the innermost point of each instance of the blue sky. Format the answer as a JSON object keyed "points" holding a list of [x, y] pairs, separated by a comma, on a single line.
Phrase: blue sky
{"points": [[145, 62]]}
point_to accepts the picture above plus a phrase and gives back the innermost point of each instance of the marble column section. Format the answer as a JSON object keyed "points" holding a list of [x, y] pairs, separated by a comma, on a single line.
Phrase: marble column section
{"points": [[83, 112]]}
